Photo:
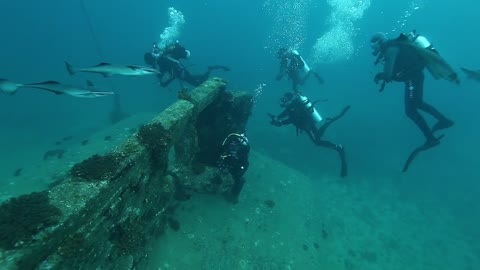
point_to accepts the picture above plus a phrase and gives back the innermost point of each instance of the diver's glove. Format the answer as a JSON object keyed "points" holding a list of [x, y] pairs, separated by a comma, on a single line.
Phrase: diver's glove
{"points": [[379, 77]]}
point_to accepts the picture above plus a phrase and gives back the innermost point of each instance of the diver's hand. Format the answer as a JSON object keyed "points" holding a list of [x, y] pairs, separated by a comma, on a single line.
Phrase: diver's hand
{"points": [[379, 77], [275, 122]]}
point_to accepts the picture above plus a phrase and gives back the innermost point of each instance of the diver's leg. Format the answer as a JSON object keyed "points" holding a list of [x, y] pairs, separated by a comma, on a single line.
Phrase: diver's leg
{"points": [[330, 120], [442, 121], [337, 147], [304, 78], [232, 196], [318, 77], [341, 152], [413, 99], [195, 80], [167, 82], [295, 86]]}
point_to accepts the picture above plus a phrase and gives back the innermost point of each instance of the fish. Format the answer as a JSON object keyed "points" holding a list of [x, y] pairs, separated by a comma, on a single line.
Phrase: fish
{"points": [[9, 87], [55, 87], [472, 74], [60, 89], [107, 69]]}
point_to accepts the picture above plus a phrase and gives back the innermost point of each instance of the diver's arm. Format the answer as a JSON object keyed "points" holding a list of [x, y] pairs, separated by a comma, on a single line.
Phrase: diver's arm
{"points": [[282, 119], [283, 69], [390, 58]]}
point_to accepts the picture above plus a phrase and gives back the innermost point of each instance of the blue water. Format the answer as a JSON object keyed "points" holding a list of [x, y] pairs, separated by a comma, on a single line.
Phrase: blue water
{"points": [[38, 36]]}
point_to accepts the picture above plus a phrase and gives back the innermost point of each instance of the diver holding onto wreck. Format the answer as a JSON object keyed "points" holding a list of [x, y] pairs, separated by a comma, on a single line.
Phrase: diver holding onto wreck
{"points": [[404, 60], [234, 159], [167, 61], [300, 112]]}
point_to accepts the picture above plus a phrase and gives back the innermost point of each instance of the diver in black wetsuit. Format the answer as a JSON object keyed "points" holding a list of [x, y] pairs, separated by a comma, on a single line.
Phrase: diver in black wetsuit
{"points": [[167, 61], [403, 64], [300, 112], [234, 159], [293, 65]]}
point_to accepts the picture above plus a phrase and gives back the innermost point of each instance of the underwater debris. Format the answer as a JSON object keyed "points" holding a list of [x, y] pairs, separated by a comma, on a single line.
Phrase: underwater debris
{"points": [[24, 216], [107, 138], [156, 139], [173, 224], [269, 203], [117, 114], [316, 246], [128, 236], [67, 138], [54, 153], [97, 167], [71, 245], [184, 94], [84, 142], [18, 172], [154, 136], [198, 167], [324, 234]]}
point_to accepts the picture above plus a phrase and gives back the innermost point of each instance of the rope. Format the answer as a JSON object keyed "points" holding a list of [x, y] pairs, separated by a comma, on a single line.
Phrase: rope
{"points": [[94, 37], [92, 32]]}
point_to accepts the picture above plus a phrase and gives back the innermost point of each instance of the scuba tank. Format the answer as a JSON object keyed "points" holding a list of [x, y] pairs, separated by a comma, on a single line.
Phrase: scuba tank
{"points": [[306, 68], [310, 108], [420, 41]]}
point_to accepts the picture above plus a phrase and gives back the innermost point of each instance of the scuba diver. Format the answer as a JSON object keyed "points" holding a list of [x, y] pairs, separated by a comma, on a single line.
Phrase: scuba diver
{"points": [[292, 64], [167, 61], [300, 112], [234, 159], [404, 60]]}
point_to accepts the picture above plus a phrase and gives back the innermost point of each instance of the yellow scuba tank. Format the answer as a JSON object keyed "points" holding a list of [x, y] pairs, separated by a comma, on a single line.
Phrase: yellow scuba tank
{"points": [[310, 108]]}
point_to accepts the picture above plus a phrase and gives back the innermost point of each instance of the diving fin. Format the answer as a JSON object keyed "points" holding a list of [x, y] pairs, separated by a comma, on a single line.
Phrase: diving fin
{"points": [[422, 148]]}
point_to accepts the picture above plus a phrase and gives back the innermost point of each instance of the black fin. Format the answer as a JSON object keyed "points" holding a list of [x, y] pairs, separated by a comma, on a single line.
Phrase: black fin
{"points": [[70, 68], [102, 64], [133, 67], [41, 83], [415, 152], [90, 85]]}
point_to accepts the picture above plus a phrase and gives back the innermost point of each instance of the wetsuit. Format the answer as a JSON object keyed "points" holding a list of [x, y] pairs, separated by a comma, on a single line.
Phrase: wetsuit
{"points": [[234, 159], [403, 64], [169, 63], [297, 114], [294, 66]]}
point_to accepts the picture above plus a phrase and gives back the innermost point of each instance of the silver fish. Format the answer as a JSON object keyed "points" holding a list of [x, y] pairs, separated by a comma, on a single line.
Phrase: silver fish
{"points": [[59, 89], [107, 69]]}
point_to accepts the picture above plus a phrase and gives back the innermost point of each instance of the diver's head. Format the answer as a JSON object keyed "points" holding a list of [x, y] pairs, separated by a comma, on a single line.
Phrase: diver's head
{"points": [[178, 51], [281, 53], [376, 42], [155, 50], [287, 99]]}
